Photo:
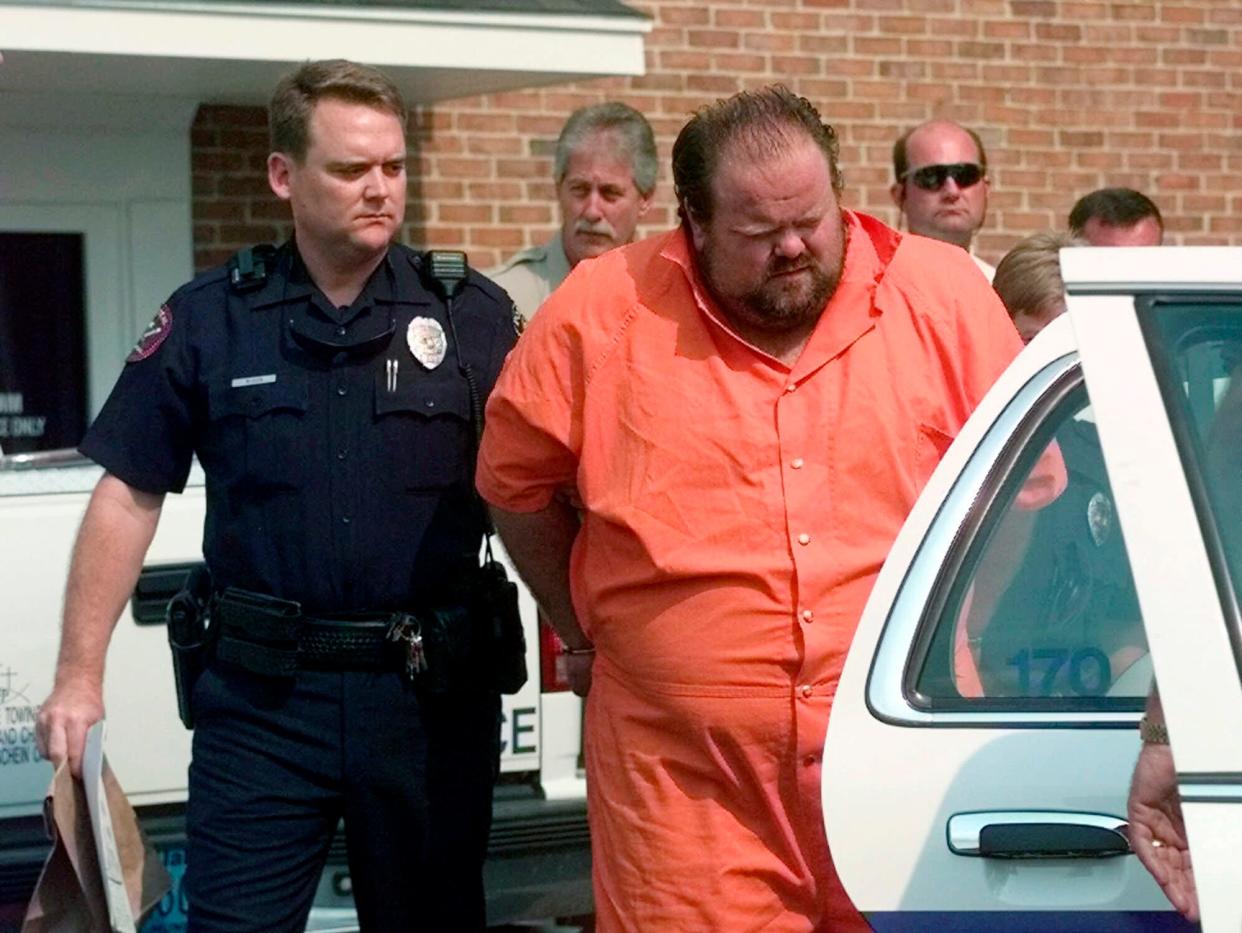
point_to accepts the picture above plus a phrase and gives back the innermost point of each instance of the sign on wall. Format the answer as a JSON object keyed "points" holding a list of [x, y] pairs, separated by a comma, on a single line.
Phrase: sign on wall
{"points": [[42, 341]]}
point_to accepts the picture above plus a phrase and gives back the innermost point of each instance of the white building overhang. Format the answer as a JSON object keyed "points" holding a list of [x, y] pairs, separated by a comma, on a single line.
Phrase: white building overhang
{"points": [[233, 52]]}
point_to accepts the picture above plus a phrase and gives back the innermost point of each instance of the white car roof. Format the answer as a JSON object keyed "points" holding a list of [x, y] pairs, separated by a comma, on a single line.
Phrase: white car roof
{"points": [[1129, 269]]}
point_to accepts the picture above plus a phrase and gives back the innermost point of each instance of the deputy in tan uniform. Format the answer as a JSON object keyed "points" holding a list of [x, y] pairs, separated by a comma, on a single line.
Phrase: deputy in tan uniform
{"points": [[605, 171]]}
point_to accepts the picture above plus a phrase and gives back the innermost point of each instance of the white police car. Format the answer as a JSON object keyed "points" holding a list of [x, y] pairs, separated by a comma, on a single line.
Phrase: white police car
{"points": [[984, 733]]}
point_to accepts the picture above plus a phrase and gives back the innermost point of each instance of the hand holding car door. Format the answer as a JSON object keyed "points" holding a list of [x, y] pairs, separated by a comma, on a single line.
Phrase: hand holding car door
{"points": [[1157, 831]]}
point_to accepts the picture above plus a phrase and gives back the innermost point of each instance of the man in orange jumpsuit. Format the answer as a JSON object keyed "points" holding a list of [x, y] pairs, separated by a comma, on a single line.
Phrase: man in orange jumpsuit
{"points": [[698, 456]]}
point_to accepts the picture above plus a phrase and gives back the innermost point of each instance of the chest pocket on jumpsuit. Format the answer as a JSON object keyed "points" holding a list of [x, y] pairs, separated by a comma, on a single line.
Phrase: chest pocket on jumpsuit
{"points": [[425, 424], [261, 431]]}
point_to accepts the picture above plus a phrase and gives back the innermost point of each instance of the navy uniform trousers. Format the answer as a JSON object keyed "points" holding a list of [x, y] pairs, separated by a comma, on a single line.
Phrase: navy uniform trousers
{"points": [[277, 763]]}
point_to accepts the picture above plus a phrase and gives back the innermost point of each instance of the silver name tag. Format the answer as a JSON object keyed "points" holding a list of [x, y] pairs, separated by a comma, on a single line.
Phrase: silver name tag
{"points": [[242, 381]]}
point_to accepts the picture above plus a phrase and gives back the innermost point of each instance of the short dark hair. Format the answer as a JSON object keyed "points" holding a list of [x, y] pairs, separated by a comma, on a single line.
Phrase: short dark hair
{"points": [[632, 129], [296, 94], [1113, 207], [901, 158], [766, 121]]}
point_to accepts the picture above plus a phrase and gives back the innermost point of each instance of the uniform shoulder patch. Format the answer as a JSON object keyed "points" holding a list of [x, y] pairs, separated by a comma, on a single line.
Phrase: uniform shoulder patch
{"points": [[519, 322], [155, 334]]}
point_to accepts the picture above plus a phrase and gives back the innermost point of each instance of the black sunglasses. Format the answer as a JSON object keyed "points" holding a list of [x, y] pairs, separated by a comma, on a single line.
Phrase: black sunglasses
{"points": [[932, 177]]}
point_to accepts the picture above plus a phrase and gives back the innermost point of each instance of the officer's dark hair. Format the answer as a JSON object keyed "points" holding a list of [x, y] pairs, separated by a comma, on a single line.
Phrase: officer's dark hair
{"points": [[1028, 278], [761, 123], [901, 157], [633, 133], [1113, 207], [296, 94]]}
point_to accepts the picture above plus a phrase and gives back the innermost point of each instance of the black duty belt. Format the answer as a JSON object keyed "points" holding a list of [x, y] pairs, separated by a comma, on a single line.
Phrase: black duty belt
{"points": [[274, 637], [348, 645]]}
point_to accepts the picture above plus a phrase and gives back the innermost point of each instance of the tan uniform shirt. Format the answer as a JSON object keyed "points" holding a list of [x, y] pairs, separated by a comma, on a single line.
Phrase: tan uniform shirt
{"points": [[531, 275]]}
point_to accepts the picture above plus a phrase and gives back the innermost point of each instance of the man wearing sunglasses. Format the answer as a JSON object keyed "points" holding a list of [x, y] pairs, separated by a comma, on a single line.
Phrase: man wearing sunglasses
{"points": [[942, 184]]}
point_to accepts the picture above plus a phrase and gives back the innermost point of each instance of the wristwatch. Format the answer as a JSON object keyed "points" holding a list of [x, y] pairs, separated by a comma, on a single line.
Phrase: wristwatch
{"points": [[1153, 733]]}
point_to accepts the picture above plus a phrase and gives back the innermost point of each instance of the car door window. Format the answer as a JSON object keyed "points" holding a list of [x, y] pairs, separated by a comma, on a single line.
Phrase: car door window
{"points": [[1042, 614], [1196, 350]]}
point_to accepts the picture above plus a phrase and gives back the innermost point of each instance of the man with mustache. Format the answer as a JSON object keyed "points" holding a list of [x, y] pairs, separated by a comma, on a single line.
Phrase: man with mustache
{"points": [[323, 388], [744, 409], [605, 171]]}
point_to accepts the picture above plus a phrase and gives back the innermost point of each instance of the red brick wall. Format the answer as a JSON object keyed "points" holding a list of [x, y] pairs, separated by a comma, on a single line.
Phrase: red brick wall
{"points": [[1068, 95]]}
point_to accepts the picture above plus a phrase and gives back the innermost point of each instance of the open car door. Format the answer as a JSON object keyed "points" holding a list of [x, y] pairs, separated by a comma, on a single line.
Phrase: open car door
{"points": [[982, 738]]}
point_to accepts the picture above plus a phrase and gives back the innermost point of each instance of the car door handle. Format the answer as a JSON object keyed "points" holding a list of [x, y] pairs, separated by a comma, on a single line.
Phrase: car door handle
{"points": [[1037, 834]]}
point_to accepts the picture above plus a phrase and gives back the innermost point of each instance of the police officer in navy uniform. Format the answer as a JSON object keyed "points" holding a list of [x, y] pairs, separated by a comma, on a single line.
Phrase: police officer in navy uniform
{"points": [[323, 387], [1072, 596]]}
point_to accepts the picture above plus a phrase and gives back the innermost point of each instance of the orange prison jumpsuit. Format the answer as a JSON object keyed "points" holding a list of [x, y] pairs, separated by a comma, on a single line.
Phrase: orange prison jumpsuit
{"points": [[736, 514]]}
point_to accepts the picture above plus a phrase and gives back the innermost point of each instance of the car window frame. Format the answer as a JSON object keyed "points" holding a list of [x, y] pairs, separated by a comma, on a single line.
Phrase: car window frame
{"points": [[930, 579], [1010, 472], [1150, 309]]}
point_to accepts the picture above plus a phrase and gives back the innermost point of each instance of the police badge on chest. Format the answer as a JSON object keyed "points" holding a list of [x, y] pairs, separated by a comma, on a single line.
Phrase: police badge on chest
{"points": [[427, 341]]}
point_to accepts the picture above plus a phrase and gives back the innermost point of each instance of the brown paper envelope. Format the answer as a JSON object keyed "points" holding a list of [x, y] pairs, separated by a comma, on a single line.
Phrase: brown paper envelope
{"points": [[69, 897]]}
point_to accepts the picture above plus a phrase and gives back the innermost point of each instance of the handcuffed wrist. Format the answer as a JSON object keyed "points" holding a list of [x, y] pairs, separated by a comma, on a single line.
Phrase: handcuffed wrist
{"points": [[1153, 733]]}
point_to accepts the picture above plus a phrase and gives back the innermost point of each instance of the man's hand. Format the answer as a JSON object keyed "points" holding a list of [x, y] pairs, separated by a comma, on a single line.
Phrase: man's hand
{"points": [[539, 543], [1157, 831], [72, 708], [578, 672]]}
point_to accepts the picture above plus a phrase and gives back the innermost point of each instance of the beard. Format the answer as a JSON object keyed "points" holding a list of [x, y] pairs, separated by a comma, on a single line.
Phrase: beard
{"points": [[790, 294]]}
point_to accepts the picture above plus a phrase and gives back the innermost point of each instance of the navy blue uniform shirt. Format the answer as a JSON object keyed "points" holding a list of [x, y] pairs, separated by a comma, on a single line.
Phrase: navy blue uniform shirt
{"points": [[339, 467], [1073, 595]]}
